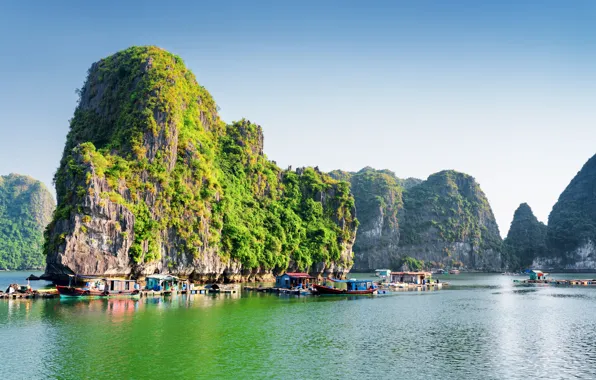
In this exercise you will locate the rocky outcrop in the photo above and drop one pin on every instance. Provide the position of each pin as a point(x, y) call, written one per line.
point(152, 181)
point(26, 208)
point(571, 234)
point(444, 221)
point(447, 221)
point(525, 240)
point(378, 195)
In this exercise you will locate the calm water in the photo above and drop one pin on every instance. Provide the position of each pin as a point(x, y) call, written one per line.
point(481, 328)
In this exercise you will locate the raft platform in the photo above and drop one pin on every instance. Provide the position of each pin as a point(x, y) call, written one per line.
point(32, 295)
point(580, 282)
point(294, 292)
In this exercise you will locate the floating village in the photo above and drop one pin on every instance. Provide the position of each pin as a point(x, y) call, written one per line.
point(290, 283)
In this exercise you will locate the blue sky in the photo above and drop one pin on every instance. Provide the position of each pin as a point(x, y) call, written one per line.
point(504, 91)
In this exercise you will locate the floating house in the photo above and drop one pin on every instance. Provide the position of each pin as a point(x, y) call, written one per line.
point(537, 275)
point(114, 285)
point(160, 282)
point(383, 273)
point(293, 280)
point(411, 277)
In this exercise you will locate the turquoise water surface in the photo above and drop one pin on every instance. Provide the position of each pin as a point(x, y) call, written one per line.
point(482, 327)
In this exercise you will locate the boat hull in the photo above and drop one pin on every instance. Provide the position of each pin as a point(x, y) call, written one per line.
point(326, 290)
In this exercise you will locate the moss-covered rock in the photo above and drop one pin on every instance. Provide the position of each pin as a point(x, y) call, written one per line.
point(525, 240)
point(447, 220)
point(571, 234)
point(26, 208)
point(152, 180)
point(378, 195)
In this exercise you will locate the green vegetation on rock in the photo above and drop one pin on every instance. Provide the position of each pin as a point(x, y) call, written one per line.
point(26, 207)
point(572, 221)
point(445, 221)
point(451, 207)
point(146, 144)
point(407, 263)
point(378, 195)
point(525, 240)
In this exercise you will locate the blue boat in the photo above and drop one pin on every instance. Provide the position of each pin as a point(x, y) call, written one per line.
point(353, 287)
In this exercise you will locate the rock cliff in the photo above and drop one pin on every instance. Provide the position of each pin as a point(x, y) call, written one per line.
point(525, 240)
point(447, 221)
point(152, 181)
point(444, 221)
point(378, 195)
point(571, 235)
point(26, 208)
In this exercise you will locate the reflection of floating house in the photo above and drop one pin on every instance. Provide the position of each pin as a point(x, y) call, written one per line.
point(410, 277)
point(160, 282)
point(292, 280)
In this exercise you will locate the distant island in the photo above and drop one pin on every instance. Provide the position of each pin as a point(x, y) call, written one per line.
point(26, 208)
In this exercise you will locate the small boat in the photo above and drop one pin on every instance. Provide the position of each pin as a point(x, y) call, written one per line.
point(353, 287)
point(99, 288)
point(454, 271)
point(71, 291)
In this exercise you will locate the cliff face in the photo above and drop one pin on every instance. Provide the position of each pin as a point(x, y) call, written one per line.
point(378, 195)
point(443, 221)
point(571, 235)
point(26, 208)
point(525, 240)
point(152, 181)
point(447, 220)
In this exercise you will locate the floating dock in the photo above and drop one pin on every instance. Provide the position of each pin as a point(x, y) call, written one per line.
point(579, 282)
point(261, 289)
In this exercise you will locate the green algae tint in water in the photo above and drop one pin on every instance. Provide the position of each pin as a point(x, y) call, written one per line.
point(482, 328)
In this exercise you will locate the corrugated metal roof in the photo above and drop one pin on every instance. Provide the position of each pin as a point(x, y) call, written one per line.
point(299, 275)
point(162, 277)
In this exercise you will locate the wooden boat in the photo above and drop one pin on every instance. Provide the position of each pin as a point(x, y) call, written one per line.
point(353, 287)
point(71, 291)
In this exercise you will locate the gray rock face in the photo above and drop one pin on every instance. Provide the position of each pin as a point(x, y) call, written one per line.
point(378, 196)
point(571, 231)
point(445, 221)
point(581, 259)
point(448, 221)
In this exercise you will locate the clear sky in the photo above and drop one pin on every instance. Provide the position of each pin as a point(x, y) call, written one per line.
point(504, 90)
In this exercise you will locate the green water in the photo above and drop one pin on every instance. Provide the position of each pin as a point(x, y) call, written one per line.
point(481, 328)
